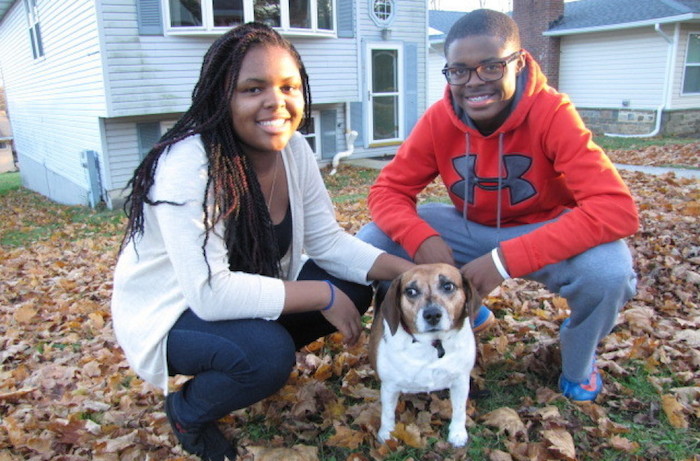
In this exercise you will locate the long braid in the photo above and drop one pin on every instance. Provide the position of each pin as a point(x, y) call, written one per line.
point(232, 185)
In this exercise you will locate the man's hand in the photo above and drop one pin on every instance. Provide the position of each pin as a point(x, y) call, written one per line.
point(434, 250)
point(483, 274)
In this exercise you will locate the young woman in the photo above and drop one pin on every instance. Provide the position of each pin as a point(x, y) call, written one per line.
point(232, 258)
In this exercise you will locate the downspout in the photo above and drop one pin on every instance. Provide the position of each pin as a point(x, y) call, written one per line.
point(662, 106)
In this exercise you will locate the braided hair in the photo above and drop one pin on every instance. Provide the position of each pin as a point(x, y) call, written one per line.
point(232, 185)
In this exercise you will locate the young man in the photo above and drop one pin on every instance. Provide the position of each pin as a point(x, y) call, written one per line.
point(532, 195)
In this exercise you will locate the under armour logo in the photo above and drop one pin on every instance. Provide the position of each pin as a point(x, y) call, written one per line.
point(515, 165)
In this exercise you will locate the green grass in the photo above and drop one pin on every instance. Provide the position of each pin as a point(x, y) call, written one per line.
point(613, 143)
point(9, 182)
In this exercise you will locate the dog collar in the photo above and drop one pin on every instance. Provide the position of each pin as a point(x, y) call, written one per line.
point(437, 344)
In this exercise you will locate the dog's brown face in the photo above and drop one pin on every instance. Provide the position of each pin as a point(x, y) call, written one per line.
point(429, 298)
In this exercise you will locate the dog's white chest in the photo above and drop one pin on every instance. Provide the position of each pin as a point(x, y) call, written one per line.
point(414, 366)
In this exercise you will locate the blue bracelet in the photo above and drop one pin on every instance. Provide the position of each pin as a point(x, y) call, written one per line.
point(330, 304)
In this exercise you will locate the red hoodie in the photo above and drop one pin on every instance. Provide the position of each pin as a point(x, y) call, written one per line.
point(546, 162)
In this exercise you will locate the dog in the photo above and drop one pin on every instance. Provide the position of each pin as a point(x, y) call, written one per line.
point(421, 341)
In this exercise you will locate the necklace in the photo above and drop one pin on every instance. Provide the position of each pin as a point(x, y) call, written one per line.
point(272, 187)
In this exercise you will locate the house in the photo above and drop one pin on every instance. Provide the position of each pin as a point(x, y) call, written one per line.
point(439, 24)
point(92, 84)
point(631, 67)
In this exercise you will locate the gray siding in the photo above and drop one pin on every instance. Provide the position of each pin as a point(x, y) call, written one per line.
point(601, 70)
point(55, 101)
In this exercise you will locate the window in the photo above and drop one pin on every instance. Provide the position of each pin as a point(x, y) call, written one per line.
point(382, 12)
point(312, 133)
point(691, 77)
point(307, 17)
point(34, 28)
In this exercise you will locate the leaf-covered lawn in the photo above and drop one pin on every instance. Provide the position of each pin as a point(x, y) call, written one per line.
point(66, 392)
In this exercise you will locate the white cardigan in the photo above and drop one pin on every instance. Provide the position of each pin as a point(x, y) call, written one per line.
point(164, 272)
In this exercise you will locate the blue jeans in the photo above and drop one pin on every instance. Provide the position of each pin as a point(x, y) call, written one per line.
point(595, 283)
point(235, 363)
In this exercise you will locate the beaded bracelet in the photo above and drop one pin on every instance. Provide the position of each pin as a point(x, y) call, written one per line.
point(330, 303)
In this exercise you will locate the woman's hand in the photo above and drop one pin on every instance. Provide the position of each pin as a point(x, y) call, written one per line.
point(344, 316)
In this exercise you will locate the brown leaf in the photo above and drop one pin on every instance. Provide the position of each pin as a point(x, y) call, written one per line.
point(346, 437)
point(674, 411)
point(408, 434)
point(296, 453)
point(506, 420)
point(623, 444)
point(560, 443)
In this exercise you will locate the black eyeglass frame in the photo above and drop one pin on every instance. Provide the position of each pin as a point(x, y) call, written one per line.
point(503, 63)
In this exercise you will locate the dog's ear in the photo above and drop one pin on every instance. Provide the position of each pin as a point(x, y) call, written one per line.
point(473, 301)
point(391, 306)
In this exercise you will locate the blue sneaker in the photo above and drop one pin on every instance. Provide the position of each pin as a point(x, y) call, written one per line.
point(484, 319)
point(586, 391)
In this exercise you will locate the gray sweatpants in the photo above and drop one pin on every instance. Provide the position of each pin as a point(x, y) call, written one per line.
point(595, 283)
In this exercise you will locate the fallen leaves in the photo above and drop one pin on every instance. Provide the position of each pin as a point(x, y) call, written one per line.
point(66, 391)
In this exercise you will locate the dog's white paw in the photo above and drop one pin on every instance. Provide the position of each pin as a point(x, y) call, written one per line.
point(458, 437)
point(384, 434)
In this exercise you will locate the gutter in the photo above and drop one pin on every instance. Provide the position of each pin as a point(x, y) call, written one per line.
point(629, 25)
point(662, 106)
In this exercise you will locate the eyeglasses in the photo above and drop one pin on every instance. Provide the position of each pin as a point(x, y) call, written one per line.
point(488, 72)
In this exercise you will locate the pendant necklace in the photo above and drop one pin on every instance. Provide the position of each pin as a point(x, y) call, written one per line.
point(272, 188)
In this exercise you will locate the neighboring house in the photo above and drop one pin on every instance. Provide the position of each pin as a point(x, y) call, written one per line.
point(439, 23)
point(92, 84)
point(6, 157)
point(629, 66)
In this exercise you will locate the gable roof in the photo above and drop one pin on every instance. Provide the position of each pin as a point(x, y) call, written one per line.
point(440, 22)
point(4, 7)
point(584, 16)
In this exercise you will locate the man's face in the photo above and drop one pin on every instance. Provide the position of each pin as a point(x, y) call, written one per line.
point(486, 103)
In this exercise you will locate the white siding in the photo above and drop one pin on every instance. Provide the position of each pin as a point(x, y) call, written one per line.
point(156, 74)
point(679, 100)
point(436, 81)
point(54, 101)
point(602, 70)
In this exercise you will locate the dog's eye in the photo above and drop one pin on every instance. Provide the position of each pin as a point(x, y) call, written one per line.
point(410, 292)
point(449, 287)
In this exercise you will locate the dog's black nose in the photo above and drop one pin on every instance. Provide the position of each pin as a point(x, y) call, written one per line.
point(432, 315)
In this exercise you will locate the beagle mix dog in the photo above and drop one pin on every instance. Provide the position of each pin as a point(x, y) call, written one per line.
point(421, 341)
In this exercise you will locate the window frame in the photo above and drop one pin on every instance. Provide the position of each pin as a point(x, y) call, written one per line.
point(687, 65)
point(33, 24)
point(378, 20)
point(399, 93)
point(316, 135)
point(208, 28)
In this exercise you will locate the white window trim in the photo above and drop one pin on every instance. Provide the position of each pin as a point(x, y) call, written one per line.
point(33, 24)
point(383, 22)
point(208, 28)
point(316, 116)
point(369, 127)
point(686, 65)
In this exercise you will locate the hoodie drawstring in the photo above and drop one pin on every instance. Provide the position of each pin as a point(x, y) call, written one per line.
point(465, 212)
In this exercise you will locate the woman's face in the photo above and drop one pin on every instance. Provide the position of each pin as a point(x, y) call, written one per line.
point(486, 103)
point(268, 102)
